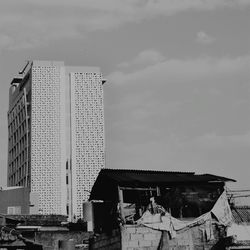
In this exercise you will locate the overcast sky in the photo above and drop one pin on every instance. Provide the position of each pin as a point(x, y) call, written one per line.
point(178, 91)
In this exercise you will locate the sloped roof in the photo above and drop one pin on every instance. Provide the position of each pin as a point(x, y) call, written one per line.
point(241, 214)
point(122, 176)
point(105, 186)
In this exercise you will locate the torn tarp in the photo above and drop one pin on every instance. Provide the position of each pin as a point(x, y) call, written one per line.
point(222, 211)
point(166, 222)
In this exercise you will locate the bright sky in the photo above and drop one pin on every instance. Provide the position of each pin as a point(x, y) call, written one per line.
point(178, 91)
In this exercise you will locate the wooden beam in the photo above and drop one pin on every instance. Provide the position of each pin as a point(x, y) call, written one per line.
point(138, 189)
point(120, 194)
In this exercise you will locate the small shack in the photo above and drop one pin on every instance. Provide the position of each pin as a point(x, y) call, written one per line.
point(183, 194)
point(125, 196)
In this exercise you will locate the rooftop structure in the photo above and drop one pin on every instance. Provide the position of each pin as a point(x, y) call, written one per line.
point(183, 194)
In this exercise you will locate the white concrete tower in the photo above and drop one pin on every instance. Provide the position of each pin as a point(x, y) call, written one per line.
point(48, 136)
point(87, 131)
point(56, 134)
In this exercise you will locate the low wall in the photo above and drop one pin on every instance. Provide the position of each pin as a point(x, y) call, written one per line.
point(192, 238)
point(106, 241)
point(135, 237)
point(139, 237)
point(50, 239)
point(127, 237)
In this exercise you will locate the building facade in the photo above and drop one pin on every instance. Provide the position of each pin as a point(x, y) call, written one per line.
point(56, 134)
point(14, 200)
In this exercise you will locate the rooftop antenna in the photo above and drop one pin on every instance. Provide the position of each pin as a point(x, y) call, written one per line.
point(22, 71)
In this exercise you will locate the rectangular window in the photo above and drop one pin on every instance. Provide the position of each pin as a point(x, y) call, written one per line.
point(14, 210)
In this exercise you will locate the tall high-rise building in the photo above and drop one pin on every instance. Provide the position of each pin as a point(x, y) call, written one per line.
point(56, 134)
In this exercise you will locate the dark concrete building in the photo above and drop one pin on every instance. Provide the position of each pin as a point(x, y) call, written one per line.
point(14, 200)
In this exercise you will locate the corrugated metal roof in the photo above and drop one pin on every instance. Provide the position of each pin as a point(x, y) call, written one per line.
point(152, 176)
point(105, 186)
point(120, 170)
point(241, 214)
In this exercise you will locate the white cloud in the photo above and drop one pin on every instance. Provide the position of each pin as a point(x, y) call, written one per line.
point(144, 58)
point(5, 41)
point(32, 23)
point(177, 70)
point(217, 142)
point(203, 38)
point(188, 97)
point(139, 8)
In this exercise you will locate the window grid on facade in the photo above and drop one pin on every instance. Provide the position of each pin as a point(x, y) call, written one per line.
point(56, 117)
point(46, 162)
point(89, 133)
